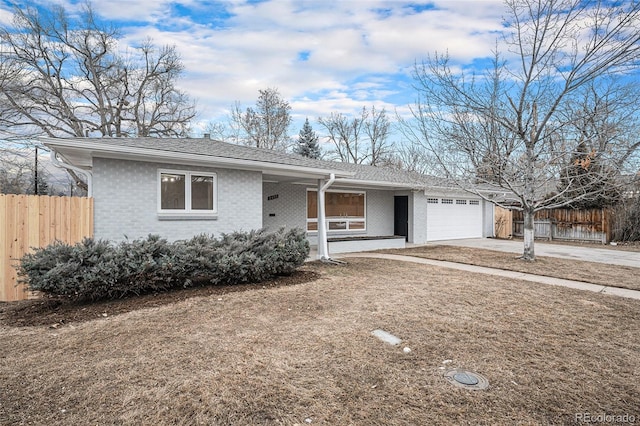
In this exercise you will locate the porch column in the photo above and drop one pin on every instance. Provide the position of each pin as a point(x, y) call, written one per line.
point(323, 245)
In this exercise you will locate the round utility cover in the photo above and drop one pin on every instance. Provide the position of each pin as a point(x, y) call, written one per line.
point(466, 379)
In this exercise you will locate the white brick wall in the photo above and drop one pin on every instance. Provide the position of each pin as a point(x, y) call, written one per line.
point(290, 209)
point(419, 212)
point(488, 219)
point(125, 202)
point(125, 197)
point(380, 213)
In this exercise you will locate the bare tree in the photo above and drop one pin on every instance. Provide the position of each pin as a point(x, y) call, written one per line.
point(514, 128)
point(409, 157)
point(604, 130)
point(22, 171)
point(61, 77)
point(361, 139)
point(157, 107)
point(264, 126)
point(216, 130)
point(377, 127)
point(345, 136)
point(15, 176)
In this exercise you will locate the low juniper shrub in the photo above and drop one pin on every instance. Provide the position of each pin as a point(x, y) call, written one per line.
point(97, 269)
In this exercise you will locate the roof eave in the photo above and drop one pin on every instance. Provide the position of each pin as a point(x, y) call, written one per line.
point(93, 149)
point(373, 183)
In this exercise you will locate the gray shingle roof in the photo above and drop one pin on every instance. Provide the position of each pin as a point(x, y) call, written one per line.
point(209, 147)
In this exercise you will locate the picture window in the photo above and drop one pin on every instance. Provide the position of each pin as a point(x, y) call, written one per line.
point(187, 193)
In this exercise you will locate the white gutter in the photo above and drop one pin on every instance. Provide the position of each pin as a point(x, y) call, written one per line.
point(323, 244)
point(87, 173)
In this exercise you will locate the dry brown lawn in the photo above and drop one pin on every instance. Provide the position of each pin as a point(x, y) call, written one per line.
point(590, 272)
point(619, 245)
point(304, 353)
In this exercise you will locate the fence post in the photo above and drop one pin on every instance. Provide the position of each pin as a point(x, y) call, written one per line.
point(605, 233)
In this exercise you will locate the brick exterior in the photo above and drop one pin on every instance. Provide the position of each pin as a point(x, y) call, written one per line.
point(488, 219)
point(125, 194)
point(417, 218)
point(289, 209)
point(288, 206)
point(125, 191)
point(125, 205)
point(380, 212)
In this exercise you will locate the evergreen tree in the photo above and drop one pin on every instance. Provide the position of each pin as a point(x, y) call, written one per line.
point(586, 183)
point(43, 185)
point(307, 142)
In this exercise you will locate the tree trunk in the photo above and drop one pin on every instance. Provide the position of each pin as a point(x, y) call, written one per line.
point(529, 253)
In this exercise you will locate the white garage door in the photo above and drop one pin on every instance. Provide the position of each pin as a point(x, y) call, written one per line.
point(453, 218)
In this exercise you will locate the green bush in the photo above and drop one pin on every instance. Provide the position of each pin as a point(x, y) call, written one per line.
point(94, 270)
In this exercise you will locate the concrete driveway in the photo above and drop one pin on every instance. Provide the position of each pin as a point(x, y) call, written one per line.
point(590, 254)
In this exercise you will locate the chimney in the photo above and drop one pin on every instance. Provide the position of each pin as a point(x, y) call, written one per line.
point(207, 136)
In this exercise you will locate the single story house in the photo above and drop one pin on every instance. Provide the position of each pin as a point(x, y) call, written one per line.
point(178, 188)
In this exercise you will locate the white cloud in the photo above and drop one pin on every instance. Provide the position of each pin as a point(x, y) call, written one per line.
point(6, 16)
point(323, 56)
point(150, 11)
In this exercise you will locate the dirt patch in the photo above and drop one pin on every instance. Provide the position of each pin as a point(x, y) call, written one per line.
point(304, 353)
point(56, 313)
point(577, 270)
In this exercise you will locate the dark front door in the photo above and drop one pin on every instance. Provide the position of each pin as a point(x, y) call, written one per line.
point(401, 216)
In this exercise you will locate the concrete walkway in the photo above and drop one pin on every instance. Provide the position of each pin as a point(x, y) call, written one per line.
point(589, 254)
point(614, 291)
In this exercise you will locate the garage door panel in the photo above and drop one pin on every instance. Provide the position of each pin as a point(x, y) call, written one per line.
point(454, 219)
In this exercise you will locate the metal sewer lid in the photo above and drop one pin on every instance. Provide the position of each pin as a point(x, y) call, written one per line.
point(466, 379)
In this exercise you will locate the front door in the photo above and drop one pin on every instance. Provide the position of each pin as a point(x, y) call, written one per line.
point(401, 216)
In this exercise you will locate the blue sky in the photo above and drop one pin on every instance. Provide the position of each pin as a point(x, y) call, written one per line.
point(323, 56)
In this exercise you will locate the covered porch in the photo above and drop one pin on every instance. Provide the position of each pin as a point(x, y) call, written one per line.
point(339, 213)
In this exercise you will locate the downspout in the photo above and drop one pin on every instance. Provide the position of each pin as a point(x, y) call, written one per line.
point(87, 173)
point(323, 244)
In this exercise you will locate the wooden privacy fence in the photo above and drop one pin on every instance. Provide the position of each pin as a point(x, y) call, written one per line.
point(28, 221)
point(593, 225)
point(503, 222)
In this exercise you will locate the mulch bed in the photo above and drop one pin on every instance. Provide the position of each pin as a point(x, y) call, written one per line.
point(56, 313)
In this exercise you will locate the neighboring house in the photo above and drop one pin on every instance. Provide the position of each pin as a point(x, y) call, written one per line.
point(179, 188)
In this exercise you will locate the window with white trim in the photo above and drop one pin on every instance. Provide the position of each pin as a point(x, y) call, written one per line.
point(474, 202)
point(432, 200)
point(187, 193)
point(344, 210)
point(461, 202)
point(447, 201)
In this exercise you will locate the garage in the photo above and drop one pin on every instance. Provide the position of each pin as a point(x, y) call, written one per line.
point(453, 218)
